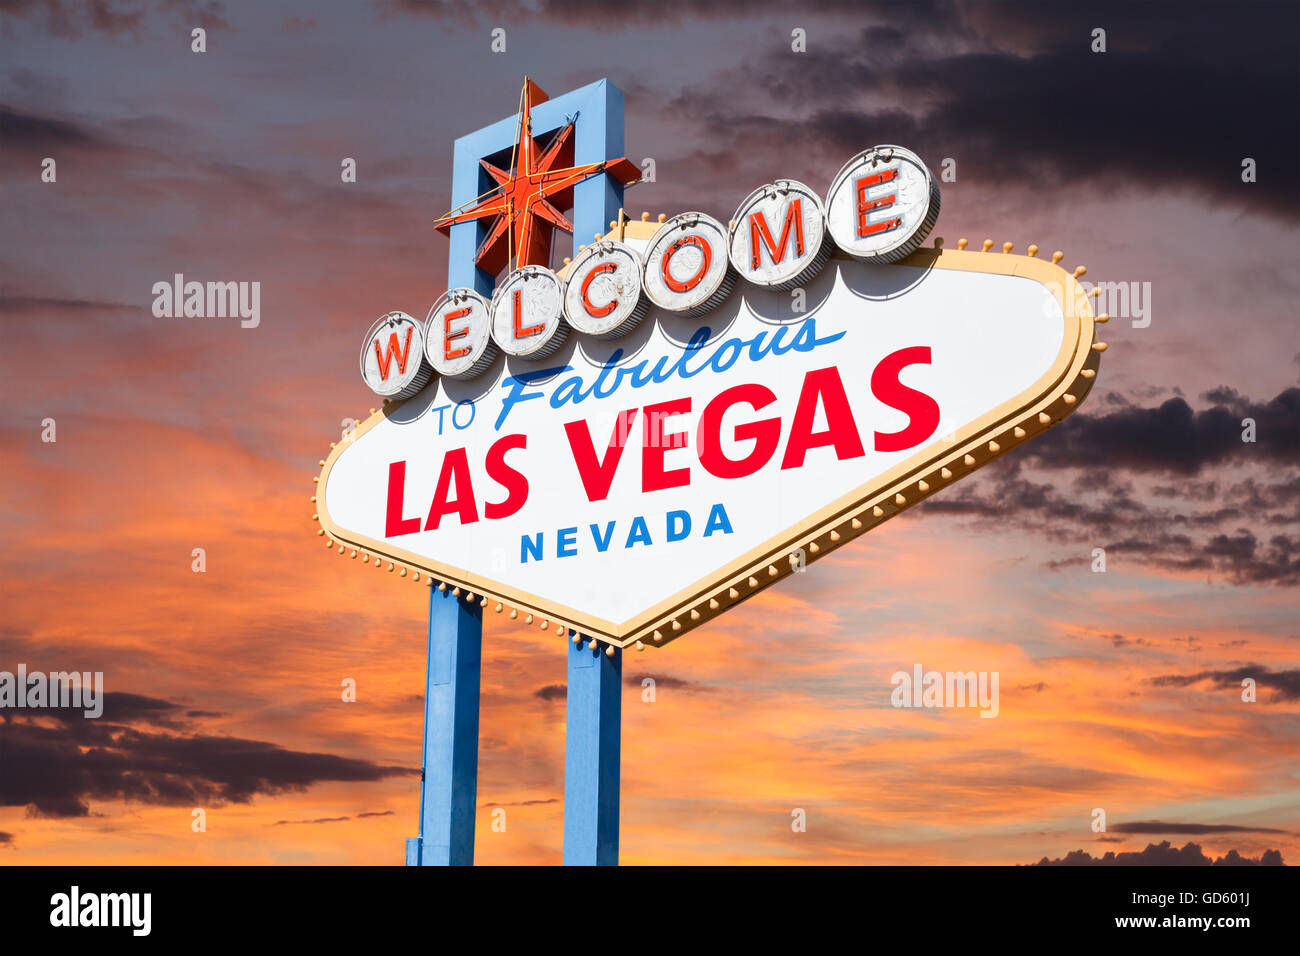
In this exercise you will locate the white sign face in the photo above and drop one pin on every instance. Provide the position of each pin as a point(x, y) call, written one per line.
point(778, 235)
point(882, 204)
point(457, 335)
point(686, 265)
point(603, 295)
point(633, 488)
point(392, 357)
point(527, 309)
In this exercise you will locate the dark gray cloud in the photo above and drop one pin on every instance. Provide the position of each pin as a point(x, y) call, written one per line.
point(281, 823)
point(72, 18)
point(6, 839)
point(931, 14)
point(675, 683)
point(1164, 854)
point(120, 707)
point(1013, 92)
point(35, 305)
point(359, 816)
point(1159, 826)
point(1173, 439)
point(551, 692)
point(1131, 530)
point(1285, 684)
point(138, 160)
point(145, 750)
point(1122, 640)
point(29, 132)
point(522, 803)
point(1079, 481)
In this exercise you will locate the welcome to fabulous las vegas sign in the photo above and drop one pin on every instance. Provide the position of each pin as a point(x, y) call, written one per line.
point(690, 410)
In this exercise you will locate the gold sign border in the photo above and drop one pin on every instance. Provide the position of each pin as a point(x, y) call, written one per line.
point(1054, 396)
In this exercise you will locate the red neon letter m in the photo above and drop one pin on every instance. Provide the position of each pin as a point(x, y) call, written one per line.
point(758, 229)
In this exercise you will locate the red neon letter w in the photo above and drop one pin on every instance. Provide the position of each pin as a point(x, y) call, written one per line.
point(402, 353)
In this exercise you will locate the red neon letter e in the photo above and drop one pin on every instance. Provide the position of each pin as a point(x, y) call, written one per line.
point(865, 205)
point(447, 351)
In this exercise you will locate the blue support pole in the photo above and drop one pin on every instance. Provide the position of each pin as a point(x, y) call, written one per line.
point(592, 748)
point(449, 780)
point(593, 719)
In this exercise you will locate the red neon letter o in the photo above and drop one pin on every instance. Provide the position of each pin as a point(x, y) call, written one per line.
point(692, 282)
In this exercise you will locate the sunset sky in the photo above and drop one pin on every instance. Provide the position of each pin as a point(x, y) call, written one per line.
point(1119, 691)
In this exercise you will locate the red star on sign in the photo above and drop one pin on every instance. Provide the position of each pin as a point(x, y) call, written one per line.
point(537, 188)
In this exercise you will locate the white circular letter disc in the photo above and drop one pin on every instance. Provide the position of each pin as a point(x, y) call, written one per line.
point(458, 334)
point(603, 296)
point(778, 235)
point(392, 357)
point(527, 313)
point(882, 204)
point(686, 265)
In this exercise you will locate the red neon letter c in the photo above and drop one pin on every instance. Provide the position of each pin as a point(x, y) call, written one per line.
point(594, 311)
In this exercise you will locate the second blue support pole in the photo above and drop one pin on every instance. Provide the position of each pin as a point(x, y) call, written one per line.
point(592, 749)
